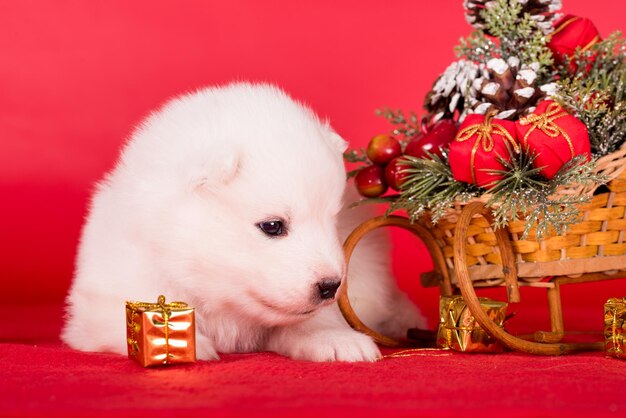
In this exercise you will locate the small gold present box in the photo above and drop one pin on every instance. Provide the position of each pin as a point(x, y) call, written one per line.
point(615, 327)
point(458, 329)
point(160, 333)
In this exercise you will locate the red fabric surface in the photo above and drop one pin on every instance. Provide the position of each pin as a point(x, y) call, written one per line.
point(76, 76)
point(63, 383)
point(51, 380)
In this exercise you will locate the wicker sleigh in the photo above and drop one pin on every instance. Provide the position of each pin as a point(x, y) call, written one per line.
point(468, 253)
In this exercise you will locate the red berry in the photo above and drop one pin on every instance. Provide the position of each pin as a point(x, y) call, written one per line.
point(370, 181)
point(438, 137)
point(393, 173)
point(382, 149)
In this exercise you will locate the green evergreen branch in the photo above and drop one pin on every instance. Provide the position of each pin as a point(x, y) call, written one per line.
point(477, 48)
point(406, 127)
point(600, 59)
point(593, 88)
point(501, 19)
point(355, 156)
point(523, 194)
point(519, 36)
point(429, 186)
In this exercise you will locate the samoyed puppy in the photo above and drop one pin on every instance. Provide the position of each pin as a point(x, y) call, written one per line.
point(230, 199)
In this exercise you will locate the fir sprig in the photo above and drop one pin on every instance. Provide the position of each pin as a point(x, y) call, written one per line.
point(502, 20)
point(601, 59)
point(606, 125)
point(477, 48)
point(523, 194)
point(507, 192)
point(355, 156)
point(430, 186)
point(519, 36)
point(593, 88)
point(405, 127)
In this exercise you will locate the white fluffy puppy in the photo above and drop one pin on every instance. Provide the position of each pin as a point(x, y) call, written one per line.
point(228, 198)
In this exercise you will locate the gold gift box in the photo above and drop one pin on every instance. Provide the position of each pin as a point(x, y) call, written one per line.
point(160, 333)
point(458, 329)
point(615, 327)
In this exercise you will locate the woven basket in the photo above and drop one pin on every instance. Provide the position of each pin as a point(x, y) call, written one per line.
point(597, 243)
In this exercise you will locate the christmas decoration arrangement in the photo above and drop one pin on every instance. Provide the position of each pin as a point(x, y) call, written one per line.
point(520, 121)
point(160, 333)
point(515, 173)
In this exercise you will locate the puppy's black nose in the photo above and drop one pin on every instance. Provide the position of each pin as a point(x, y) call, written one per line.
point(328, 288)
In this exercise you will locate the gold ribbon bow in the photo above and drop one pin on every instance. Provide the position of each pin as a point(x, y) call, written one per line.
point(166, 307)
point(545, 123)
point(484, 132)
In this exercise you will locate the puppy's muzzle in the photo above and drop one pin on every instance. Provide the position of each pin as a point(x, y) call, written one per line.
point(328, 288)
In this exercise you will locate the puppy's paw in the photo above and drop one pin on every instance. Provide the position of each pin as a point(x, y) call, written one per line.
point(326, 345)
point(205, 349)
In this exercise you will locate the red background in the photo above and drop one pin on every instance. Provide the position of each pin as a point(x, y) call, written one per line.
point(76, 77)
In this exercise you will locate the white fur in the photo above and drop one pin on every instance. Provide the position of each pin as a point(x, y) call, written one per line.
point(178, 216)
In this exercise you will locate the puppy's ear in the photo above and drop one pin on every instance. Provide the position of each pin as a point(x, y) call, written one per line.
point(337, 141)
point(211, 175)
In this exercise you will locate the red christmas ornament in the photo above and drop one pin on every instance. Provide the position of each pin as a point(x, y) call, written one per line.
point(370, 181)
point(554, 136)
point(383, 148)
point(438, 137)
point(393, 173)
point(476, 150)
point(572, 32)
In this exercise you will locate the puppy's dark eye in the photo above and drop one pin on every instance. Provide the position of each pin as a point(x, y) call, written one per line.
point(272, 228)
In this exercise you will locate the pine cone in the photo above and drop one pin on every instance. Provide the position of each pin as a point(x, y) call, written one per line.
point(453, 90)
point(509, 91)
point(543, 12)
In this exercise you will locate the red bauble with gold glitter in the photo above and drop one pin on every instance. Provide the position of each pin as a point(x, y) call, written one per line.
point(554, 136)
point(478, 147)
